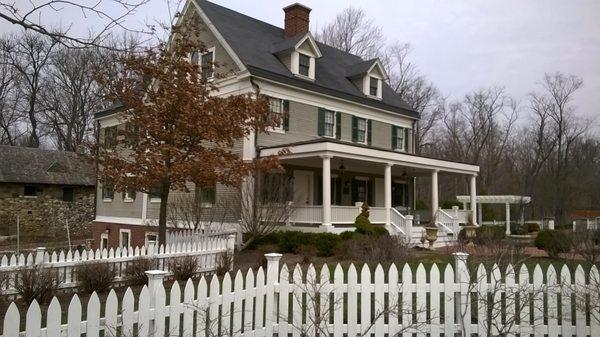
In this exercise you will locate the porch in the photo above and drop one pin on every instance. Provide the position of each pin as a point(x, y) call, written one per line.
point(331, 181)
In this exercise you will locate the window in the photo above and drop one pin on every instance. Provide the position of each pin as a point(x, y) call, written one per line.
point(151, 239)
point(110, 137)
point(131, 135)
point(361, 130)
point(304, 65)
point(195, 57)
point(30, 191)
point(373, 86)
point(155, 193)
point(275, 188)
point(103, 241)
point(129, 196)
point(399, 194)
point(398, 138)
point(329, 123)
point(276, 108)
point(125, 238)
point(207, 64)
point(68, 194)
point(362, 190)
point(205, 196)
point(108, 192)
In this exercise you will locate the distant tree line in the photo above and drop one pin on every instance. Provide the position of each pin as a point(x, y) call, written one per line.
point(540, 146)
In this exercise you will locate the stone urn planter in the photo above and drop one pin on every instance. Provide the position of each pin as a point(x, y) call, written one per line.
point(431, 235)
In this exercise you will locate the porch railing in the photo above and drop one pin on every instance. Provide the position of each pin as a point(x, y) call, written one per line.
point(307, 214)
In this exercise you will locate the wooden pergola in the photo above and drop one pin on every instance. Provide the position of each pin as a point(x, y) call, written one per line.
point(507, 200)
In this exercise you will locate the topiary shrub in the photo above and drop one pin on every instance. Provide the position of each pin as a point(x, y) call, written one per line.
point(36, 283)
point(532, 227)
point(95, 276)
point(552, 242)
point(380, 230)
point(362, 223)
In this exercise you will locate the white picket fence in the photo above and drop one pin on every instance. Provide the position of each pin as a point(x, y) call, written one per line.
point(351, 303)
point(207, 248)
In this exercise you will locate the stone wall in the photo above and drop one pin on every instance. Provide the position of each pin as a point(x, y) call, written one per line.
point(46, 215)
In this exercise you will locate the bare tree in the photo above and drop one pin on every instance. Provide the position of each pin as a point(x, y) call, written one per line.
point(352, 31)
point(111, 15)
point(10, 116)
point(29, 56)
point(266, 204)
point(70, 97)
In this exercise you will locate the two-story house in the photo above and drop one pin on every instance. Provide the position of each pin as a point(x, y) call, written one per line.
point(350, 137)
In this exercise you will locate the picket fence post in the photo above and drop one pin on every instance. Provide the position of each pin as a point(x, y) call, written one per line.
point(408, 226)
point(272, 280)
point(39, 255)
point(462, 279)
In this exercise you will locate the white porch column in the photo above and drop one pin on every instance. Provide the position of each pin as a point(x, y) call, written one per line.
point(326, 190)
point(387, 183)
point(434, 195)
point(473, 191)
point(507, 218)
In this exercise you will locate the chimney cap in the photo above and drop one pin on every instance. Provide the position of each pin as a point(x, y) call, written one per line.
point(296, 4)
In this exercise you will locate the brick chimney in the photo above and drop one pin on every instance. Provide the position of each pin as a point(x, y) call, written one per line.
point(297, 18)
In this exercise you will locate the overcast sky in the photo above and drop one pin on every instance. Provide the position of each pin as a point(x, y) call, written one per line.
point(464, 45)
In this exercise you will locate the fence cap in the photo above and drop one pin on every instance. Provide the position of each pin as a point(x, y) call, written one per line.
point(273, 256)
point(460, 255)
point(155, 273)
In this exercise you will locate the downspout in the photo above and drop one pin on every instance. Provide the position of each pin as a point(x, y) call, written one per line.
point(414, 147)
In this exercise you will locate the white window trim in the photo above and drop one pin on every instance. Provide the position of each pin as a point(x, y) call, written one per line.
point(154, 200)
point(280, 128)
point(366, 141)
point(127, 198)
point(401, 148)
point(121, 231)
point(106, 199)
point(333, 133)
point(367, 86)
point(212, 49)
point(295, 65)
point(102, 237)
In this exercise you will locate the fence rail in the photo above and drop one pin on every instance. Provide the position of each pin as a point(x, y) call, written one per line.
point(207, 248)
point(283, 302)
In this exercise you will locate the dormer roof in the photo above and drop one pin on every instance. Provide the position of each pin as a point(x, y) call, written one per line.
point(366, 67)
point(294, 43)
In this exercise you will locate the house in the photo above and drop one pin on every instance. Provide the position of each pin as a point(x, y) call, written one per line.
point(46, 190)
point(350, 137)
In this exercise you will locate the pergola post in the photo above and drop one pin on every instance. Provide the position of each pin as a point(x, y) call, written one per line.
point(480, 213)
point(507, 218)
point(326, 190)
point(473, 197)
point(434, 196)
point(387, 177)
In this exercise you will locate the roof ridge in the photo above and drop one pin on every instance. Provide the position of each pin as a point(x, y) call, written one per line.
point(240, 13)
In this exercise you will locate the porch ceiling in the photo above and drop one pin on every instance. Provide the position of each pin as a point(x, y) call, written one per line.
point(364, 159)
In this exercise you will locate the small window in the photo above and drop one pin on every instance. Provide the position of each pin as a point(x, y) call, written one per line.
point(207, 64)
point(276, 108)
point(155, 193)
point(304, 66)
point(373, 86)
point(399, 138)
point(361, 130)
point(68, 194)
point(205, 196)
point(125, 238)
point(329, 124)
point(103, 241)
point(129, 196)
point(110, 137)
point(30, 191)
point(108, 192)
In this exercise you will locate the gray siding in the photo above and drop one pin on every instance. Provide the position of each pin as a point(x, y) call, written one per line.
point(381, 135)
point(117, 207)
point(226, 65)
point(303, 126)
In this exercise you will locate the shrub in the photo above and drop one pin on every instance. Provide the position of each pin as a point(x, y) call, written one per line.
point(375, 249)
point(325, 243)
point(489, 234)
point(224, 263)
point(184, 268)
point(552, 242)
point(379, 230)
point(532, 227)
point(518, 229)
point(290, 241)
point(135, 273)
point(362, 223)
point(95, 276)
point(36, 283)
point(347, 235)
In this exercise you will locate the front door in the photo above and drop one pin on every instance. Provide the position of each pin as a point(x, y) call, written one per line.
point(303, 187)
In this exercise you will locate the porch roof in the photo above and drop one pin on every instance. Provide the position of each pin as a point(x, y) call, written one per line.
point(339, 149)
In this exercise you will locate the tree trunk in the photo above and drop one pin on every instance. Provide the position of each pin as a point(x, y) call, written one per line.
point(165, 188)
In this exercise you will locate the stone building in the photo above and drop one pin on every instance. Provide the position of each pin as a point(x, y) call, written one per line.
point(46, 190)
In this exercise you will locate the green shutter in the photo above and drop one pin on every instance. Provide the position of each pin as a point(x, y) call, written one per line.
point(338, 125)
point(369, 131)
point(354, 129)
point(286, 115)
point(394, 137)
point(406, 133)
point(321, 121)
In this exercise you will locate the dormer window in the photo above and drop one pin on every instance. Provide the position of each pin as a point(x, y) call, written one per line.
point(304, 65)
point(207, 63)
point(373, 86)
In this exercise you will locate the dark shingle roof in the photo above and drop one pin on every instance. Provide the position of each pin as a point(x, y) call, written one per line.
point(254, 41)
point(37, 166)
